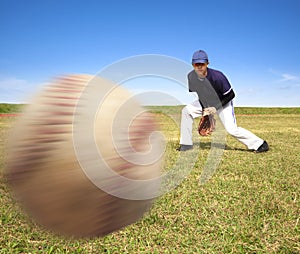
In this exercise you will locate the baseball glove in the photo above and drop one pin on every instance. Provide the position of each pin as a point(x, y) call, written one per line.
point(206, 125)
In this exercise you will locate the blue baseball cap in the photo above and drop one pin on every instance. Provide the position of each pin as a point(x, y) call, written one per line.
point(200, 56)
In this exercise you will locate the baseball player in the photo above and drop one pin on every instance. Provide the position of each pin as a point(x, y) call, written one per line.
point(215, 96)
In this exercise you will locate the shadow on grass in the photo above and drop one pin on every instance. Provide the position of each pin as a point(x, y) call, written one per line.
point(209, 145)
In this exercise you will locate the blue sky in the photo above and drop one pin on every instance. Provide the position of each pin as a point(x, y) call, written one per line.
point(255, 43)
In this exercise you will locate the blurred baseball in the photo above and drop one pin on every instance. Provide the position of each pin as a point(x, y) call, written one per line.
point(48, 179)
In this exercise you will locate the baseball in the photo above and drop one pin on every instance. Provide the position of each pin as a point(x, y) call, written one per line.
point(59, 180)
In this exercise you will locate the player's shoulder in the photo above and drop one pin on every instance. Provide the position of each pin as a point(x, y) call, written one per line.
point(215, 74)
point(192, 74)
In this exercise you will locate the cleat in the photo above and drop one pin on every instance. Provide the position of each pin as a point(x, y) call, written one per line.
point(263, 148)
point(184, 148)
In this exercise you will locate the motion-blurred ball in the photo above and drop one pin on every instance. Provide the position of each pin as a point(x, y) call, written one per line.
point(49, 180)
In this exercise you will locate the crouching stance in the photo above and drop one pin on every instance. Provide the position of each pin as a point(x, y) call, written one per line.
point(215, 96)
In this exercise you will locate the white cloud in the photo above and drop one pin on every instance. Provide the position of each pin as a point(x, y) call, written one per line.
point(286, 80)
point(288, 77)
point(284, 77)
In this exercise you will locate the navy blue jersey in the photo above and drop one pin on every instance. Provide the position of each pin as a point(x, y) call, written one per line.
point(213, 91)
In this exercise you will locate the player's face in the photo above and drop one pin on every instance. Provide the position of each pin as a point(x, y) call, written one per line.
point(201, 69)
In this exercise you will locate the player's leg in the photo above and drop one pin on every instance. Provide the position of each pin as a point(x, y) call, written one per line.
point(246, 137)
point(188, 113)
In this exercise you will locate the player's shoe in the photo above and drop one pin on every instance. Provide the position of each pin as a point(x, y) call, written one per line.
point(184, 148)
point(263, 148)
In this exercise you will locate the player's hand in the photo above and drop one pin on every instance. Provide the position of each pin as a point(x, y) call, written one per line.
point(210, 111)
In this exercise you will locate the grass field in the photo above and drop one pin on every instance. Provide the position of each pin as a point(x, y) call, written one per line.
point(250, 205)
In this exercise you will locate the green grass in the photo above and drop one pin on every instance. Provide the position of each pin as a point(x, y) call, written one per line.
point(250, 205)
point(10, 108)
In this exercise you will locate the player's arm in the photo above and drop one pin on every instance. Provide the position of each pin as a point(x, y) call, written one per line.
point(226, 91)
point(227, 97)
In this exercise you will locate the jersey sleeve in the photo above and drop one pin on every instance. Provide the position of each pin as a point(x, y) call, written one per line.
point(226, 91)
point(224, 84)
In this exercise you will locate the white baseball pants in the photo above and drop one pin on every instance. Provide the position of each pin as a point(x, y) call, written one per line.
point(227, 117)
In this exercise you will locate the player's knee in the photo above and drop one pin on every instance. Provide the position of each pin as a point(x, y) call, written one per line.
point(190, 112)
point(232, 132)
point(185, 111)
